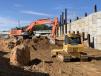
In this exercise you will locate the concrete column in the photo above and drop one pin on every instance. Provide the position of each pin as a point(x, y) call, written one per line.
point(62, 23)
point(70, 25)
point(98, 35)
point(91, 39)
point(83, 36)
point(85, 14)
point(65, 21)
point(92, 42)
point(60, 30)
point(95, 8)
point(98, 42)
point(59, 34)
point(60, 27)
point(67, 28)
point(86, 35)
point(64, 29)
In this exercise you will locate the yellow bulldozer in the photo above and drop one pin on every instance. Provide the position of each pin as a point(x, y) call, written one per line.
point(72, 48)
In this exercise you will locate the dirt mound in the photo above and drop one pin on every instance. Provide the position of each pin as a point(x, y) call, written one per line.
point(3, 45)
point(41, 43)
point(40, 48)
point(20, 55)
point(41, 62)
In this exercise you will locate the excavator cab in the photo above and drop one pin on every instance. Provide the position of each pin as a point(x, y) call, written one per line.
point(73, 40)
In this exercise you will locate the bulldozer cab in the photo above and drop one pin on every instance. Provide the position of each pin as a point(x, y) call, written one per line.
point(73, 39)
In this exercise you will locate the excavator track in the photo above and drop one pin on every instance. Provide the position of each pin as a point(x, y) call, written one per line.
point(85, 58)
point(63, 58)
point(69, 58)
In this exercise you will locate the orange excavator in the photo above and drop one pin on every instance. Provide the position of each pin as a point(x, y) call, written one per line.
point(29, 29)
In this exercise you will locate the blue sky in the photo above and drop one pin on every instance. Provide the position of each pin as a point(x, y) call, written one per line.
point(11, 11)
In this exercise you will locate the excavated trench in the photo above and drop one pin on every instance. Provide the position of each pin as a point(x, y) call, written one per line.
point(41, 63)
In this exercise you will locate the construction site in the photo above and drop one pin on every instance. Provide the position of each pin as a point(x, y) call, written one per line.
point(67, 48)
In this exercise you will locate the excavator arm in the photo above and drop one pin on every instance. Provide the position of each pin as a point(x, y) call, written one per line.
point(54, 24)
point(38, 22)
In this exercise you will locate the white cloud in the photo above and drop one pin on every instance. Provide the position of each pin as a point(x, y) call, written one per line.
point(8, 23)
point(35, 13)
point(58, 8)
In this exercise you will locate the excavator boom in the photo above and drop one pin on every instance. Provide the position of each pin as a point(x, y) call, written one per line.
point(38, 22)
point(54, 24)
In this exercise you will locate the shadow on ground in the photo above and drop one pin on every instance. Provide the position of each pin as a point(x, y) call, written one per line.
point(8, 70)
point(96, 58)
point(35, 61)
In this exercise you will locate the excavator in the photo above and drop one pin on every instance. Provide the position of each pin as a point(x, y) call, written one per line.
point(28, 31)
point(73, 48)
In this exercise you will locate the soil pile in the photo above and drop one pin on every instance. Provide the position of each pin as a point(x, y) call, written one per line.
point(42, 64)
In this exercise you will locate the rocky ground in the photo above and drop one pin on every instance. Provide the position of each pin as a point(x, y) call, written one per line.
point(41, 63)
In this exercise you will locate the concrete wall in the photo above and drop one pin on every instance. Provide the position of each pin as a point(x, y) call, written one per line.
point(90, 25)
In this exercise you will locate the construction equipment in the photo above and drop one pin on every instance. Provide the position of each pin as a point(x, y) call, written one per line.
point(42, 33)
point(28, 31)
point(72, 48)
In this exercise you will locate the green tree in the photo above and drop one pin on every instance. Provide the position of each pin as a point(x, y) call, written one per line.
point(41, 27)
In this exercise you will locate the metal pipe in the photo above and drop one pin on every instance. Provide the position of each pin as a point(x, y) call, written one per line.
point(95, 8)
point(85, 14)
point(70, 25)
point(65, 20)
point(62, 23)
point(65, 17)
